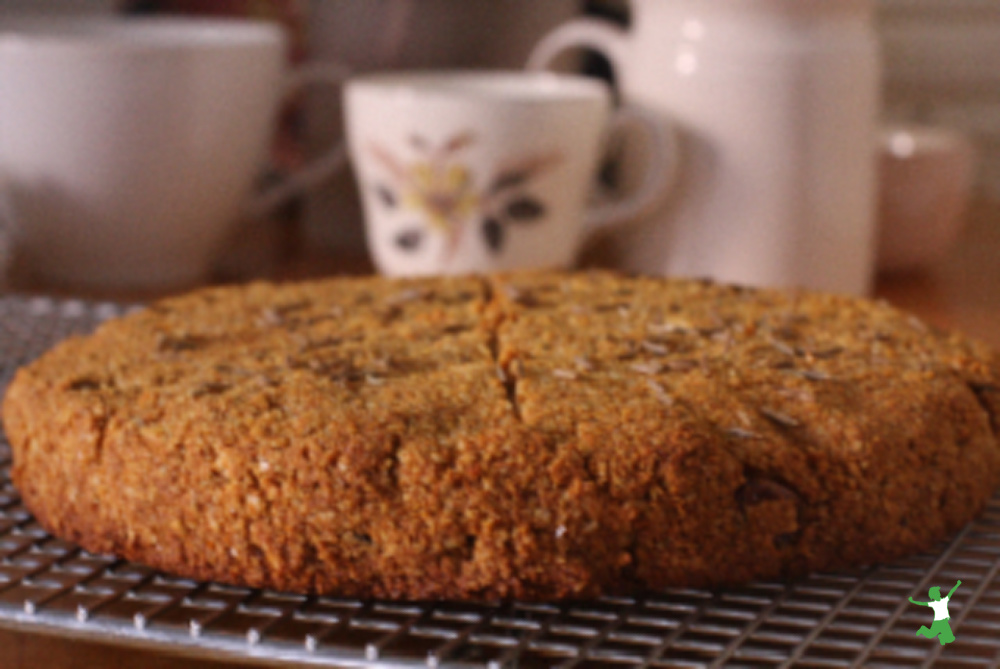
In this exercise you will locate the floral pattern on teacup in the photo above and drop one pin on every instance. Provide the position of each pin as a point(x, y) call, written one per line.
point(442, 190)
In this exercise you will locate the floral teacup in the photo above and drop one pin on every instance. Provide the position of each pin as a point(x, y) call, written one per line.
point(473, 172)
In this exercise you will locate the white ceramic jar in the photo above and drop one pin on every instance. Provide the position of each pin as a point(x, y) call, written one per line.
point(777, 101)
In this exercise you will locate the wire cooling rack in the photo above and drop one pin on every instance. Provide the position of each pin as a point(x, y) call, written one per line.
point(854, 619)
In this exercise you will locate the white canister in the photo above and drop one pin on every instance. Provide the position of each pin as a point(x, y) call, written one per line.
point(778, 103)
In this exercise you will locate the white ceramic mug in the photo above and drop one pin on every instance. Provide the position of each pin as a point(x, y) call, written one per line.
point(475, 172)
point(925, 184)
point(777, 104)
point(130, 146)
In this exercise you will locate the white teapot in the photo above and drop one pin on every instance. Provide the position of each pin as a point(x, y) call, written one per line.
point(777, 103)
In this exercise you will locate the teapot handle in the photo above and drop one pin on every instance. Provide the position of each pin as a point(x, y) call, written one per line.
point(595, 34)
point(660, 135)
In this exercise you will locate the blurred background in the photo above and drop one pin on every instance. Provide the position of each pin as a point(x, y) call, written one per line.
point(941, 66)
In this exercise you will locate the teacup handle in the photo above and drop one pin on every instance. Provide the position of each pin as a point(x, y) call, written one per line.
point(661, 170)
point(317, 171)
point(659, 175)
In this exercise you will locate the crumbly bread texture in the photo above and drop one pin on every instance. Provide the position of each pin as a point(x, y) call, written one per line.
point(537, 435)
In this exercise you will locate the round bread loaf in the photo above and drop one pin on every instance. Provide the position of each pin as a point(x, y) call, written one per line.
point(537, 435)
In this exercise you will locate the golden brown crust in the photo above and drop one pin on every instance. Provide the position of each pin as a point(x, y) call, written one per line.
point(532, 435)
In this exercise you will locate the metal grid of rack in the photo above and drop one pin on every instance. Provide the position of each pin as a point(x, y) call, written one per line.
point(854, 619)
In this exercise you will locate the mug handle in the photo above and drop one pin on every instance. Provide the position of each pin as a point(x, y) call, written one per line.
point(317, 171)
point(661, 170)
point(6, 234)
